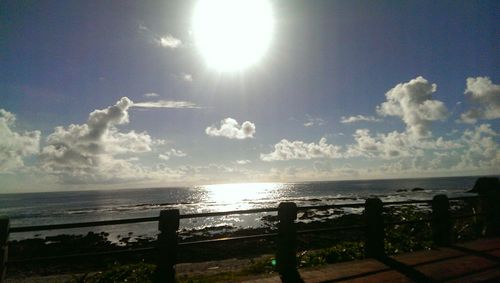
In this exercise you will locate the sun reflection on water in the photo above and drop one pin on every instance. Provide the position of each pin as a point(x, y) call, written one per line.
point(242, 195)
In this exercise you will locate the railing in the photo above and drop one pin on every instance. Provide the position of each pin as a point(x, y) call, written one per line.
point(168, 246)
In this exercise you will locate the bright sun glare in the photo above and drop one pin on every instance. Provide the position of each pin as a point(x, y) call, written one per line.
point(232, 34)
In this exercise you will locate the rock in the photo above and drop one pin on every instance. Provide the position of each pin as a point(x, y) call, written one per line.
point(485, 185)
point(401, 190)
point(417, 189)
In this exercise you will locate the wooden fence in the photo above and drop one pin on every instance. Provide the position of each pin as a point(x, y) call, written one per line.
point(168, 246)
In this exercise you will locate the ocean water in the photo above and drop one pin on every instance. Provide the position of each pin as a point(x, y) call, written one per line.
point(67, 207)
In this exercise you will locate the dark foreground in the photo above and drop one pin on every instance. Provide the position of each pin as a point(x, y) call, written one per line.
point(477, 261)
point(314, 249)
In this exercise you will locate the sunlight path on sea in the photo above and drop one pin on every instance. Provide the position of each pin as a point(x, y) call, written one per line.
point(240, 196)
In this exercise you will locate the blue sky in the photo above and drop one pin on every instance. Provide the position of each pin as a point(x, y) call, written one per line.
point(423, 75)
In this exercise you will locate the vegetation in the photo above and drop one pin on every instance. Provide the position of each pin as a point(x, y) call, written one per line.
point(132, 273)
point(315, 249)
point(144, 272)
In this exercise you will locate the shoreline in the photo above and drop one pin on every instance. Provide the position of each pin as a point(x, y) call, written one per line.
point(234, 222)
point(71, 244)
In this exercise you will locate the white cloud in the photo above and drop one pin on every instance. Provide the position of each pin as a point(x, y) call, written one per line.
point(187, 77)
point(151, 94)
point(243, 162)
point(482, 151)
point(395, 145)
point(412, 101)
point(287, 150)
point(165, 104)
point(88, 153)
point(230, 128)
point(313, 121)
point(479, 152)
point(386, 146)
point(172, 152)
point(166, 41)
point(14, 147)
point(169, 41)
point(358, 118)
point(486, 94)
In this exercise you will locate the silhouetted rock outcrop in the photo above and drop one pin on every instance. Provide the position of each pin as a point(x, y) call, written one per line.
point(485, 185)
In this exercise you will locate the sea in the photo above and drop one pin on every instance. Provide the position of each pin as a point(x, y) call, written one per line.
point(28, 209)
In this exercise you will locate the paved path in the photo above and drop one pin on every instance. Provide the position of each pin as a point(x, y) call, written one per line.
point(477, 261)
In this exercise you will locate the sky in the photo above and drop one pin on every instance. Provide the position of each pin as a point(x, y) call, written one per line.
point(118, 94)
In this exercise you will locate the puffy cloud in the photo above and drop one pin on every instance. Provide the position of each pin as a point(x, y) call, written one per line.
point(172, 152)
point(386, 146)
point(230, 128)
point(151, 94)
point(482, 150)
point(86, 153)
point(15, 146)
point(487, 95)
point(243, 162)
point(412, 101)
point(395, 145)
point(165, 104)
point(287, 150)
point(358, 118)
point(169, 41)
point(479, 152)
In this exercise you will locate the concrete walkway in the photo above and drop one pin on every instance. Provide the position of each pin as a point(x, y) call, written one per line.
point(477, 261)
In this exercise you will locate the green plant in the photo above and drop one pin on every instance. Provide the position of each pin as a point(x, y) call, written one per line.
point(343, 251)
point(134, 273)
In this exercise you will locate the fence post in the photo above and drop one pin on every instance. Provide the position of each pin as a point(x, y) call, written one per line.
point(4, 237)
point(374, 237)
point(167, 246)
point(488, 190)
point(492, 213)
point(442, 226)
point(286, 259)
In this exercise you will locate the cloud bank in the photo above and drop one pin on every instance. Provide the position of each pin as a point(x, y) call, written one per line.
point(287, 150)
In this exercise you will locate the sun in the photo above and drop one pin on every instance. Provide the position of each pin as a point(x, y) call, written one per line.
point(232, 35)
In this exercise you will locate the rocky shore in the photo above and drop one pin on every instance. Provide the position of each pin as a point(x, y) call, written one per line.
point(400, 238)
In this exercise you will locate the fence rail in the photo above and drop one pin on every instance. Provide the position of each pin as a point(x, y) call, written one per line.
point(35, 228)
point(168, 222)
